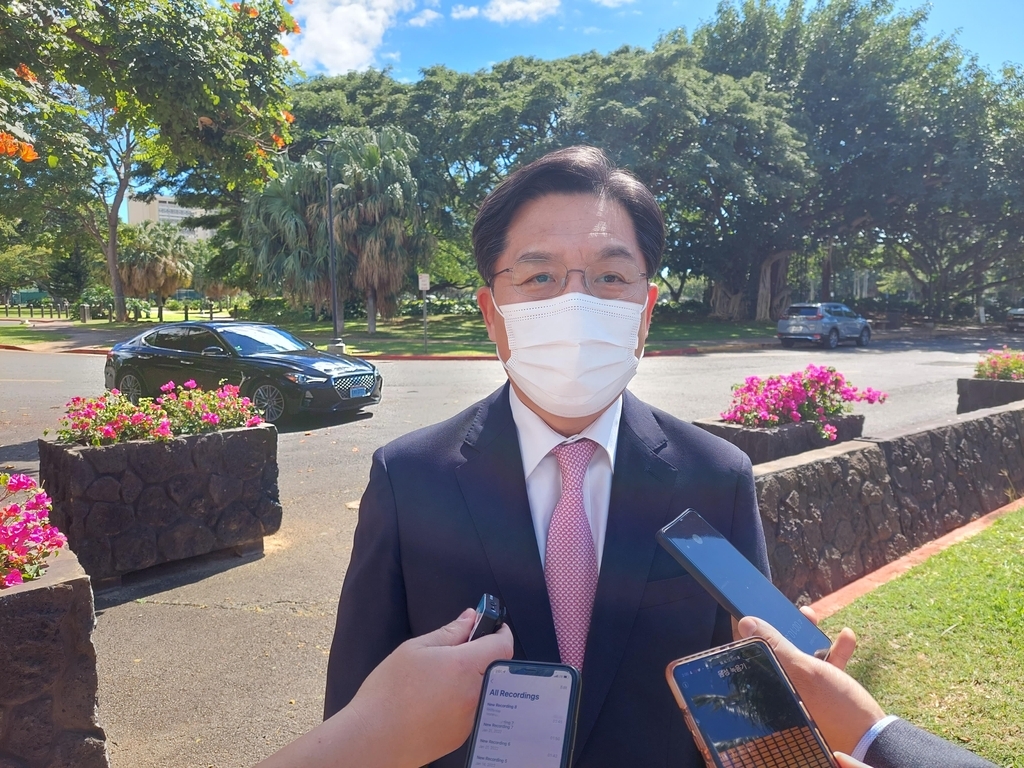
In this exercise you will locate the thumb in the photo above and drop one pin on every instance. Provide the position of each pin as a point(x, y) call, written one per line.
point(453, 633)
point(750, 626)
point(486, 649)
point(845, 761)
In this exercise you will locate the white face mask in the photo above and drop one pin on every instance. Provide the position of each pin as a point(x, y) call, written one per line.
point(574, 354)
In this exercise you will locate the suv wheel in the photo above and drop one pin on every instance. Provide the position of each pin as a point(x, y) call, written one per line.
point(864, 338)
point(832, 340)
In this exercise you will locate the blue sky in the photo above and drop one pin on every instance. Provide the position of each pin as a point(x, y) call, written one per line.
point(408, 35)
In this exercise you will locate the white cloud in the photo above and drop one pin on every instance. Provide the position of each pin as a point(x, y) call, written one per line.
point(520, 10)
point(465, 12)
point(392, 55)
point(591, 30)
point(432, 3)
point(613, 3)
point(424, 17)
point(341, 35)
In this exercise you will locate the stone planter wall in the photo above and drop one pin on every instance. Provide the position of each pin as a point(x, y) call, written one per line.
point(763, 445)
point(126, 507)
point(975, 394)
point(48, 672)
point(835, 514)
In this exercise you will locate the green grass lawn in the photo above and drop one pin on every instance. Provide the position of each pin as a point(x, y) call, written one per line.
point(943, 646)
point(19, 334)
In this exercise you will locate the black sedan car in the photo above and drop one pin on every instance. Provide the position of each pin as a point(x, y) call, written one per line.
point(280, 373)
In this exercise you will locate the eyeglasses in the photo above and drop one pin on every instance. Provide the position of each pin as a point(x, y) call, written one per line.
point(546, 278)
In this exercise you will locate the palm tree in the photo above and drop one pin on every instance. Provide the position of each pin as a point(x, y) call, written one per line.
point(377, 222)
point(154, 260)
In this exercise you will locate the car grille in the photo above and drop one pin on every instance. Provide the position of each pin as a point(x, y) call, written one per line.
point(343, 384)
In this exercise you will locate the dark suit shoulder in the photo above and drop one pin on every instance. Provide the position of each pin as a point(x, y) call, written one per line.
point(439, 444)
point(699, 446)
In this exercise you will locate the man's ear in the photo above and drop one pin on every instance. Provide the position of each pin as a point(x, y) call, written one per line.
point(485, 300)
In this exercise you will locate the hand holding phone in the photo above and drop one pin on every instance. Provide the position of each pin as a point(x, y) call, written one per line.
point(743, 711)
point(735, 583)
point(526, 717)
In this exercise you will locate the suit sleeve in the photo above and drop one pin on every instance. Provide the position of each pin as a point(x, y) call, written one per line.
point(747, 535)
point(901, 745)
point(372, 616)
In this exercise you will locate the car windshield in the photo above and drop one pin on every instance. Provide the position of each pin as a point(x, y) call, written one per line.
point(250, 340)
point(802, 311)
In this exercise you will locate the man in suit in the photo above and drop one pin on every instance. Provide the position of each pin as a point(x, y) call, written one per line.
point(549, 492)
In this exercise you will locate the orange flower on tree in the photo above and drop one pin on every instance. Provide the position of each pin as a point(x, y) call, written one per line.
point(253, 13)
point(278, 141)
point(296, 28)
point(25, 73)
point(288, 116)
point(236, 7)
point(28, 153)
point(284, 51)
point(8, 144)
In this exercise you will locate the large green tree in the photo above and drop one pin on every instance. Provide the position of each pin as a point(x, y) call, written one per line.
point(125, 89)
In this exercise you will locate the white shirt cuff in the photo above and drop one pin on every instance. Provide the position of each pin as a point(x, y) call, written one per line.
point(869, 738)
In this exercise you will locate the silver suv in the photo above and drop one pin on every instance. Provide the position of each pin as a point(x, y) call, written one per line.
point(826, 324)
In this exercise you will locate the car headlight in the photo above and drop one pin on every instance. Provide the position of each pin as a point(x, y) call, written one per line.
point(303, 379)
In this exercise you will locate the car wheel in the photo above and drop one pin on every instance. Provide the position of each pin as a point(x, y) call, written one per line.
point(269, 401)
point(832, 340)
point(788, 343)
point(130, 385)
point(864, 338)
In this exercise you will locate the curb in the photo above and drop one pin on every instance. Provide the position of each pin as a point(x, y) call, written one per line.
point(843, 596)
point(13, 348)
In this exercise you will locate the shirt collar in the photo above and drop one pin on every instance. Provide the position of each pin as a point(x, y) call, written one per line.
point(536, 438)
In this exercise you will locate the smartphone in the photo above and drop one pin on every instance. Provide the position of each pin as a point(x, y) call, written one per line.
point(526, 717)
point(743, 711)
point(490, 615)
point(735, 583)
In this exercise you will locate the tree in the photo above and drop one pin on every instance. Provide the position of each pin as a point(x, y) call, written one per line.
point(377, 221)
point(154, 260)
point(142, 90)
point(69, 275)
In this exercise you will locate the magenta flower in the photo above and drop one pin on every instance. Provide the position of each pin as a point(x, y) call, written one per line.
point(12, 578)
point(168, 387)
point(190, 384)
point(20, 483)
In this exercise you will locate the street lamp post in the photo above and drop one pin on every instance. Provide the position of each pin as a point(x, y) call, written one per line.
point(337, 343)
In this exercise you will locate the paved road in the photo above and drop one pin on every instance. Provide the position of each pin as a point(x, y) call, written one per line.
point(219, 661)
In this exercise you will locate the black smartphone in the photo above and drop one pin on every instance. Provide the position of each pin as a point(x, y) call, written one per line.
point(743, 711)
point(490, 615)
point(735, 583)
point(526, 717)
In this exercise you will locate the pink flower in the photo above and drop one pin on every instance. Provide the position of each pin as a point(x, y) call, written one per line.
point(20, 483)
point(211, 418)
point(12, 578)
point(163, 429)
point(190, 384)
point(254, 421)
point(168, 387)
point(108, 432)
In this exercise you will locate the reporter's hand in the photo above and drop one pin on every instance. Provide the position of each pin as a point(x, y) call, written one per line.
point(842, 649)
point(845, 761)
point(419, 703)
point(843, 710)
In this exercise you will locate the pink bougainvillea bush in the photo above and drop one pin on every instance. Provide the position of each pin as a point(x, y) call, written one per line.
point(181, 410)
point(26, 536)
point(1006, 364)
point(814, 394)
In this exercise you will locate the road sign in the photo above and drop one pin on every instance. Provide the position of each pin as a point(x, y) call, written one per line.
point(424, 281)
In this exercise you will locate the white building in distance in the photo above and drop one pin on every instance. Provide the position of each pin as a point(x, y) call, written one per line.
point(162, 208)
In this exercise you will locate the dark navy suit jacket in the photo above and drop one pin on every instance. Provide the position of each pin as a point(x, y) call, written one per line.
point(445, 518)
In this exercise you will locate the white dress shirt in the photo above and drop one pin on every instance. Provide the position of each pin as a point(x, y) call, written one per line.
point(544, 481)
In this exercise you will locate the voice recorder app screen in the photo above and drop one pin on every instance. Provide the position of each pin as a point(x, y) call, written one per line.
point(522, 720)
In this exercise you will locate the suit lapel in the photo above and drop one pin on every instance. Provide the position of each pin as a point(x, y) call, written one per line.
point(494, 487)
point(642, 488)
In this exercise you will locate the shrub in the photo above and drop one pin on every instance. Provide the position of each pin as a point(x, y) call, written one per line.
point(172, 305)
point(26, 536)
point(815, 394)
point(1006, 364)
point(438, 306)
point(181, 410)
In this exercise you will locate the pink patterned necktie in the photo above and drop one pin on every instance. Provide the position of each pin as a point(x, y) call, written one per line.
point(570, 558)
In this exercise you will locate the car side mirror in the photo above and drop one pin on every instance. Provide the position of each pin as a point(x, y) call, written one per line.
point(311, 344)
point(213, 352)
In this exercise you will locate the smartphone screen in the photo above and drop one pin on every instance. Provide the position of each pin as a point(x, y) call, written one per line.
point(745, 711)
point(526, 717)
point(735, 583)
